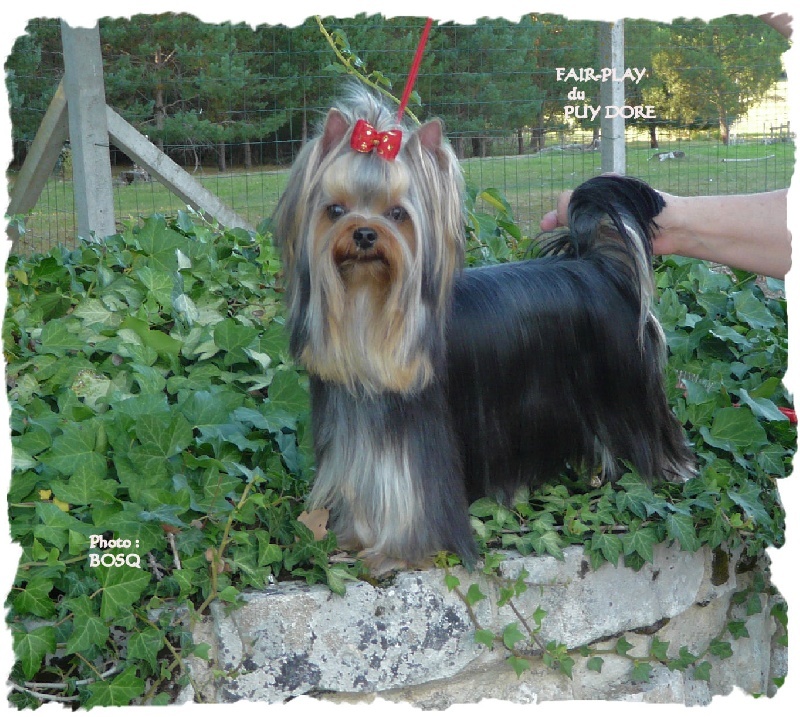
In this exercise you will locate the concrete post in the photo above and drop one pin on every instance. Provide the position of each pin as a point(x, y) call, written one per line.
point(612, 94)
point(88, 131)
point(175, 178)
point(38, 166)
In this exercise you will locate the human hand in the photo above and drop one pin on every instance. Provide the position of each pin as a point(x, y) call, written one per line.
point(556, 217)
point(663, 241)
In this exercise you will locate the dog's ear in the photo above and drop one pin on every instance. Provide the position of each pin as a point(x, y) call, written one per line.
point(336, 126)
point(431, 138)
point(430, 135)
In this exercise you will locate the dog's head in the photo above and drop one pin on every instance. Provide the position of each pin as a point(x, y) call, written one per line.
point(372, 232)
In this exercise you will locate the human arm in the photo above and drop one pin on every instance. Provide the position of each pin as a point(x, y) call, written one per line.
point(745, 231)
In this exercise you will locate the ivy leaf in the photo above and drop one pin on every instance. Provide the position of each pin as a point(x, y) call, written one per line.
point(595, 664)
point(160, 243)
point(642, 671)
point(35, 598)
point(121, 587)
point(131, 524)
point(538, 615)
point(720, 648)
point(93, 311)
point(771, 459)
point(145, 645)
point(702, 671)
point(85, 487)
point(495, 199)
point(33, 441)
point(286, 394)
point(752, 311)
point(53, 525)
point(485, 637)
point(474, 594)
point(336, 576)
point(623, 646)
point(164, 345)
point(88, 631)
point(609, 545)
point(59, 336)
point(682, 528)
point(451, 581)
point(512, 635)
point(158, 283)
point(117, 692)
point(640, 541)
point(161, 437)
point(233, 338)
point(74, 448)
point(548, 543)
point(658, 649)
point(483, 508)
point(684, 659)
point(762, 407)
point(268, 552)
point(736, 428)
point(729, 333)
point(518, 664)
point(31, 647)
point(754, 605)
point(210, 408)
point(748, 498)
point(738, 629)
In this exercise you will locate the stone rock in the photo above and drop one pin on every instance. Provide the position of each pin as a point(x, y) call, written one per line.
point(413, 640)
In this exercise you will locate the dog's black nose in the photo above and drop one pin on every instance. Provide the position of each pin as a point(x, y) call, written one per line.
point(365, 237)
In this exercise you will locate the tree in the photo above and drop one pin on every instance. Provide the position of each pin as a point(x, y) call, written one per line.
point(33, 70)
point(218, 91)
point(714, 72)
point(175, 78)
point(382, 50)
point(559, 43)
point(642, 39)
point(485, 80)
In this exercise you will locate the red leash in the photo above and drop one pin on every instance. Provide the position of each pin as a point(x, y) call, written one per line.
point(412, 75)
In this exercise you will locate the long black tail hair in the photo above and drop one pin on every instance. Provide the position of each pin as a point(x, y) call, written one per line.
point(613, 219)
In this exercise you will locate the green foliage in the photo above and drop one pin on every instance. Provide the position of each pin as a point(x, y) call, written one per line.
point(719, 56)
point(193, 84)
point(152, 402)
point(349, 63)
point(728, 341)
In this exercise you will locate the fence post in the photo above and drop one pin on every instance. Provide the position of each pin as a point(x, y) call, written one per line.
point(612, 94)
point(88, 131)
point(38, 166)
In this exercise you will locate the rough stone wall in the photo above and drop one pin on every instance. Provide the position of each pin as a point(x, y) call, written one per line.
point(413, 641)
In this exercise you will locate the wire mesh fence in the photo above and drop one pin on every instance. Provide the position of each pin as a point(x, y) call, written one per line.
point(706, 104)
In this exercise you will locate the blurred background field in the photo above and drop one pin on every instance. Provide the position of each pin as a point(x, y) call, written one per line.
point(233, 105)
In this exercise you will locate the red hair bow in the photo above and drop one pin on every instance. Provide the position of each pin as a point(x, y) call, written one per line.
point(366, 138)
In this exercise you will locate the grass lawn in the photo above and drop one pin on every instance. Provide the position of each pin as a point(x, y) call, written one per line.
point(531, 183)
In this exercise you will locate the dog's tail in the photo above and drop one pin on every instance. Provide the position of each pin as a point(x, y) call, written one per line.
point(612, 218)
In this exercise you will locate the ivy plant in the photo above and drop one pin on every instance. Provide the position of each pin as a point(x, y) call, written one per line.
point(162, 452)
point(727, 339)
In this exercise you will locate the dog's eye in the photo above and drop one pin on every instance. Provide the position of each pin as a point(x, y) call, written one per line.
point(397, 214)
point(335, 211)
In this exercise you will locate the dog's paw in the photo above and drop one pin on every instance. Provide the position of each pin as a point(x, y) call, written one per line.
point(380, 565)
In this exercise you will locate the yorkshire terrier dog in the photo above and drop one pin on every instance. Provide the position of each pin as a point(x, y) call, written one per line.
point(433, 385)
